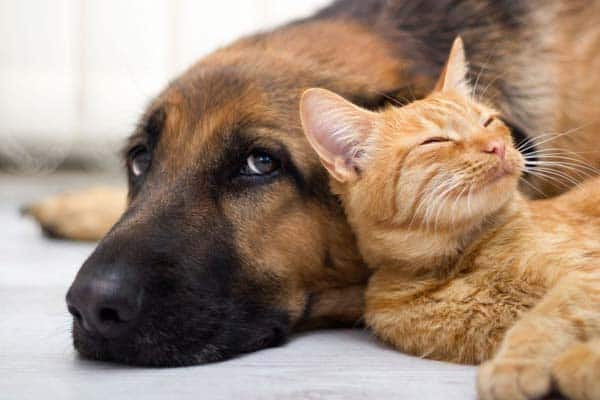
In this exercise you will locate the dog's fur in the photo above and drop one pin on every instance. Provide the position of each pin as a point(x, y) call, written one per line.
point(233, 264)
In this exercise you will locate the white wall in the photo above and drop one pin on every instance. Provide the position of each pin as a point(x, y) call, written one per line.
point(76, 74)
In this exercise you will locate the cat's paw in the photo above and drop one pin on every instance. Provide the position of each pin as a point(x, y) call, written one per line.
point(513, 379)
point(577, 372)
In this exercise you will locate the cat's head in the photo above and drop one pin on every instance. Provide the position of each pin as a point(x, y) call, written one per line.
point(445, 161)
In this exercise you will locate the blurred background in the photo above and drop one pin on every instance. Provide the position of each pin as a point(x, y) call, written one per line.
point(76, 74)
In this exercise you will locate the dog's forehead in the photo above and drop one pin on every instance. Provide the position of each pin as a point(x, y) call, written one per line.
point(208, 110)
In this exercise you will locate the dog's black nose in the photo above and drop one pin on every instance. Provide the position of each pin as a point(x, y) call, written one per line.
point(107, 304)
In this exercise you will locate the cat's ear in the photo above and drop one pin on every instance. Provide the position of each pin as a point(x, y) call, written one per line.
point(455, 74)
point(337, 130)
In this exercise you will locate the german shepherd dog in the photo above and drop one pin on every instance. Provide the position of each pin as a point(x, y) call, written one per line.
point(232, 239)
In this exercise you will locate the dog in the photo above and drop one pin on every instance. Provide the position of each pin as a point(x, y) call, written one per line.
point(231, 238)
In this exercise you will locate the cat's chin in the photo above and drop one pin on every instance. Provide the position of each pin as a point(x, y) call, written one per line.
point(501, 180)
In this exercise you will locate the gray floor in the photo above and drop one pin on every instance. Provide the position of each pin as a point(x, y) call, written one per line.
point(37, 360)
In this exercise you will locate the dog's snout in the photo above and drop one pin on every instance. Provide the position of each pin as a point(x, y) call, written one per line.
point(107, 304)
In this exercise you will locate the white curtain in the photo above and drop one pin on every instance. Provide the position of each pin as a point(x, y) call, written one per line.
point(76, 74)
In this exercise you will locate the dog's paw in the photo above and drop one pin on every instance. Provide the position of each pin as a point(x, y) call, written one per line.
point(577, 372)
point(79, 215)
point(513, 379)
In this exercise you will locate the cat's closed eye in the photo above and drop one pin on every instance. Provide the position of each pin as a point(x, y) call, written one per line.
point(433, 140)
point(489, 121)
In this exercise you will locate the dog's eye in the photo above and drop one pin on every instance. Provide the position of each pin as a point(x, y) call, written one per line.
point(258, 164)
point(139, 160)
point(435, 140)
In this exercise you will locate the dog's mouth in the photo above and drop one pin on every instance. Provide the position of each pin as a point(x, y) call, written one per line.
point(167, 321)
point(134, 304)
point(164, 347)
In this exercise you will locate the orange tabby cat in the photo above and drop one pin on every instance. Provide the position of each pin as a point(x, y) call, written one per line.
point(465, 267)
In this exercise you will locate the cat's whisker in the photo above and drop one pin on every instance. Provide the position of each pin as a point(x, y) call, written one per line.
point(558, 156)
point(564, 151)
point(563, 161)
point(553, 172)
point(469, 208)
point(422, 209)
point(552, 179)
point(558, 151)
point(480, 73)
point(395, 100)
point(537, 141)
point(553, 176)
point(580, 169)
point(566, 156)
point(531, 143)
point(532, 186)
point(431, 203)
point(551, 160)
point(483, 68)
point(456, 200)
point(556, 136)
point(428, 202)
point(547, 154)
point(561, 158)
point(440, 204)
point(456, 197)
point(441, 201)
point(489, 85)
point(531, 140)
point(418, 206)
point(425, 201)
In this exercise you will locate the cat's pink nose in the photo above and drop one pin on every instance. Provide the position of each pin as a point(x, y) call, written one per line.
point(496, 147)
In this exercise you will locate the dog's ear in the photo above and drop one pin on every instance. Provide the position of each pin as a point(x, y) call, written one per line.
point(337, 130)
point(454, 74)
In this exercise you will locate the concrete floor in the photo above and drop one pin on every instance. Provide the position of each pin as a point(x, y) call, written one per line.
point(38, 361)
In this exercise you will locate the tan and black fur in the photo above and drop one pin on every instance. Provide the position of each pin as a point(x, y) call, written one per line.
point(275, 254)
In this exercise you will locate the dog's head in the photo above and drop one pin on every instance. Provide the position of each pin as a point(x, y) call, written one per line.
point(232, 237)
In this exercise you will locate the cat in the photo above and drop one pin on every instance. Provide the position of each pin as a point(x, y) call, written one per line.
point(466, 268)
